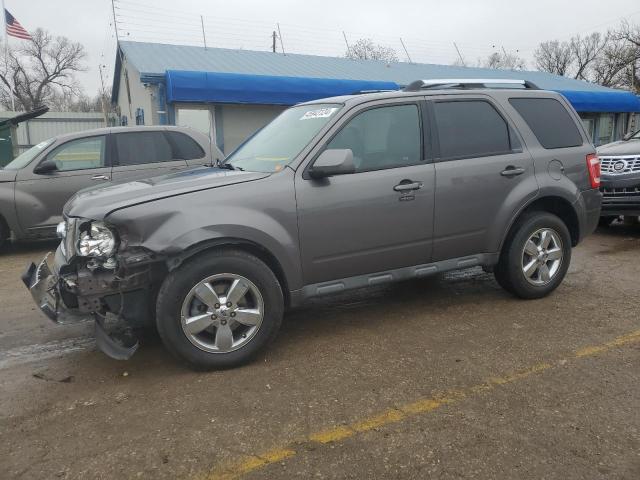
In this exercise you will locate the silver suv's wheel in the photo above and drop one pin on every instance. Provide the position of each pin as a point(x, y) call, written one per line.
point(219, 309)
point(542, 256)
point(222, 313)
point(535, 256)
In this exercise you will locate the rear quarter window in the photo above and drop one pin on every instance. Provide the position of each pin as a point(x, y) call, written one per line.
point(549, 120)
point(185, 147)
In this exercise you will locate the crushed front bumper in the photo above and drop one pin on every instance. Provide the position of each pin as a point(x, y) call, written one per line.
point(113, 338)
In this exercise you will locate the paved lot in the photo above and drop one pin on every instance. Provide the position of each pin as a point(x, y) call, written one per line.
point(448, 377)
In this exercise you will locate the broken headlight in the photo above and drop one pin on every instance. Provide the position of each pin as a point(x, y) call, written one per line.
point(97, 240)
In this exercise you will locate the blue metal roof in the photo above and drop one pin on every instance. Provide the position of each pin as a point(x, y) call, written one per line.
point(155, 59)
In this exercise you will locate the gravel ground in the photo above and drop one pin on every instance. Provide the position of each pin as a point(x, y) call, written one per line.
point(446, 377)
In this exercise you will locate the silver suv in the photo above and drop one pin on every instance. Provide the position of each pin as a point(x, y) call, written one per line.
point(332, 195)
point(35, 186)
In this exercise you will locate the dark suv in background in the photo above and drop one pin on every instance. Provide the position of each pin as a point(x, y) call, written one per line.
point(35, 186)
point(332, 195)
point(620, 179)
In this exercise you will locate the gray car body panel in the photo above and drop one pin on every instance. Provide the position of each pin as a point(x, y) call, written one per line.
point(31, 204)
point(318, 231)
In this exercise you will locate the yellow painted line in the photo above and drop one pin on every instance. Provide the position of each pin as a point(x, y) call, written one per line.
point(398, 414)
point(617, 342)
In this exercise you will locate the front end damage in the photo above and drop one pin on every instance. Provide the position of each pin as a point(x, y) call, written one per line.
point(116, 293)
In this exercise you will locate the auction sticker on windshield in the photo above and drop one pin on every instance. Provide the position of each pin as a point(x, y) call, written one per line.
point(319, 113)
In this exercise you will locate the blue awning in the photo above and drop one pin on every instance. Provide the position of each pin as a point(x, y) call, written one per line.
point(602, 101)
point(213, 87)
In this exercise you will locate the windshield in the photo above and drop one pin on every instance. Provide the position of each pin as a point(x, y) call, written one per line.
point(25, 158)
point(277, 144)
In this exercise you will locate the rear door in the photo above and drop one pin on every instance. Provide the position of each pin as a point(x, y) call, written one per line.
point(81, 163)
point(144, 154)
point(482, 175)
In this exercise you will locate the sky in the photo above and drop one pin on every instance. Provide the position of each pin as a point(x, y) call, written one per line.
point(428, 28)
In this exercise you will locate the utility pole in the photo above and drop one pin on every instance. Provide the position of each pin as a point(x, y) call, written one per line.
point(6, 55)
point(204, 36)
point(405, 50)
point(274, 37)
point(459, 55)
point(102, 92)
point(347, 43)
point(280, 37)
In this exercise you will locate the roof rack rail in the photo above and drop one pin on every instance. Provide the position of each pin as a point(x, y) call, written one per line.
point(375, 90)
point(464, 83)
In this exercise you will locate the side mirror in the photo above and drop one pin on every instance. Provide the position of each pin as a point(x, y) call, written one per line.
point(333, 162)
point(47, 166)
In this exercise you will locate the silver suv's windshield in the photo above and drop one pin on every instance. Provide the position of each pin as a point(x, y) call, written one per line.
point(25, 158)
point(277, 144)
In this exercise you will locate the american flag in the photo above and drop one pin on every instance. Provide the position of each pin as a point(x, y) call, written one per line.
point(14, 28)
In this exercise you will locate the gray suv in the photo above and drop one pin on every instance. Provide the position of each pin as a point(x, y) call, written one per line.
point(35, 186)
point(332, 195)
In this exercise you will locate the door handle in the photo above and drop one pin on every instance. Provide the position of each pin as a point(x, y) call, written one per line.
point(100, 177)
point(406, 185)
point(512, 171)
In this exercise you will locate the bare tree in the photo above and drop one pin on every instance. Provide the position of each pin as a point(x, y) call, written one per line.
point(613, 66)
point(585, 51)
point(39, 70)
point(503, 61)
point(365, 49)
point(554, 57)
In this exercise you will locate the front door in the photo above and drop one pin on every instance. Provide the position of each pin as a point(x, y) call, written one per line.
point(141, 154)
point(480, 167)
point(80, 163)
point(380, 217)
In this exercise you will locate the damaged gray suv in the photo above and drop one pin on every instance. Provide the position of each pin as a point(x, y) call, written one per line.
point(332, 195)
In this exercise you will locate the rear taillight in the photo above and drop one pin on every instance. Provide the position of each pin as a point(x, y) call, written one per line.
point(593, 165)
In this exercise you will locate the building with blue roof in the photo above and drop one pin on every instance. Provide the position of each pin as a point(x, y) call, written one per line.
point(229, 94)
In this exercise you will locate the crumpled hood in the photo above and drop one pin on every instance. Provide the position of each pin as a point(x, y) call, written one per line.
point(7, 175)
point(97, 202)
point(629, 147)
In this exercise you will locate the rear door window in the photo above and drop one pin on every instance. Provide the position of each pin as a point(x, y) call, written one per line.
point(470, 128)
point(549, 120)
point(140, 148)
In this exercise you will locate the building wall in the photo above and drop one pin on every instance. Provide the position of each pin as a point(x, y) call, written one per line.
point(133, 95)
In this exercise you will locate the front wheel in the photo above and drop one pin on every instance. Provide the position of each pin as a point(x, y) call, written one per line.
point(219, 309)
point(535, 257)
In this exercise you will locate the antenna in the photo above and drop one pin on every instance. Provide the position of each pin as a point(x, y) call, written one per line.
point(459, 55)
point(405, 50)
point(204, 35)
point(345, 41)
point(280, 36)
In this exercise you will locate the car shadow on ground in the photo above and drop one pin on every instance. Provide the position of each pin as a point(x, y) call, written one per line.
point(16, 248)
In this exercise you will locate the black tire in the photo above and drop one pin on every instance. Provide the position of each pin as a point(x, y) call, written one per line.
point(606, 221)
point(509, 271)
point(177, 286)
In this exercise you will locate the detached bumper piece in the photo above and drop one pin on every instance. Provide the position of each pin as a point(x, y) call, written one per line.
point(113, 336)
point(43, 286)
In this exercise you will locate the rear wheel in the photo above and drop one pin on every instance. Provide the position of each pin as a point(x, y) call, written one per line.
point(219, 309)
point(535, 257)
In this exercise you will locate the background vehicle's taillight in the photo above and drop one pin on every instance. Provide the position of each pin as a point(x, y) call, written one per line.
point(593, 165)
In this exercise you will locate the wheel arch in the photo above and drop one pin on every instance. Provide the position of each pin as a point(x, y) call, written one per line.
point(248, 246)
point(556, 205)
